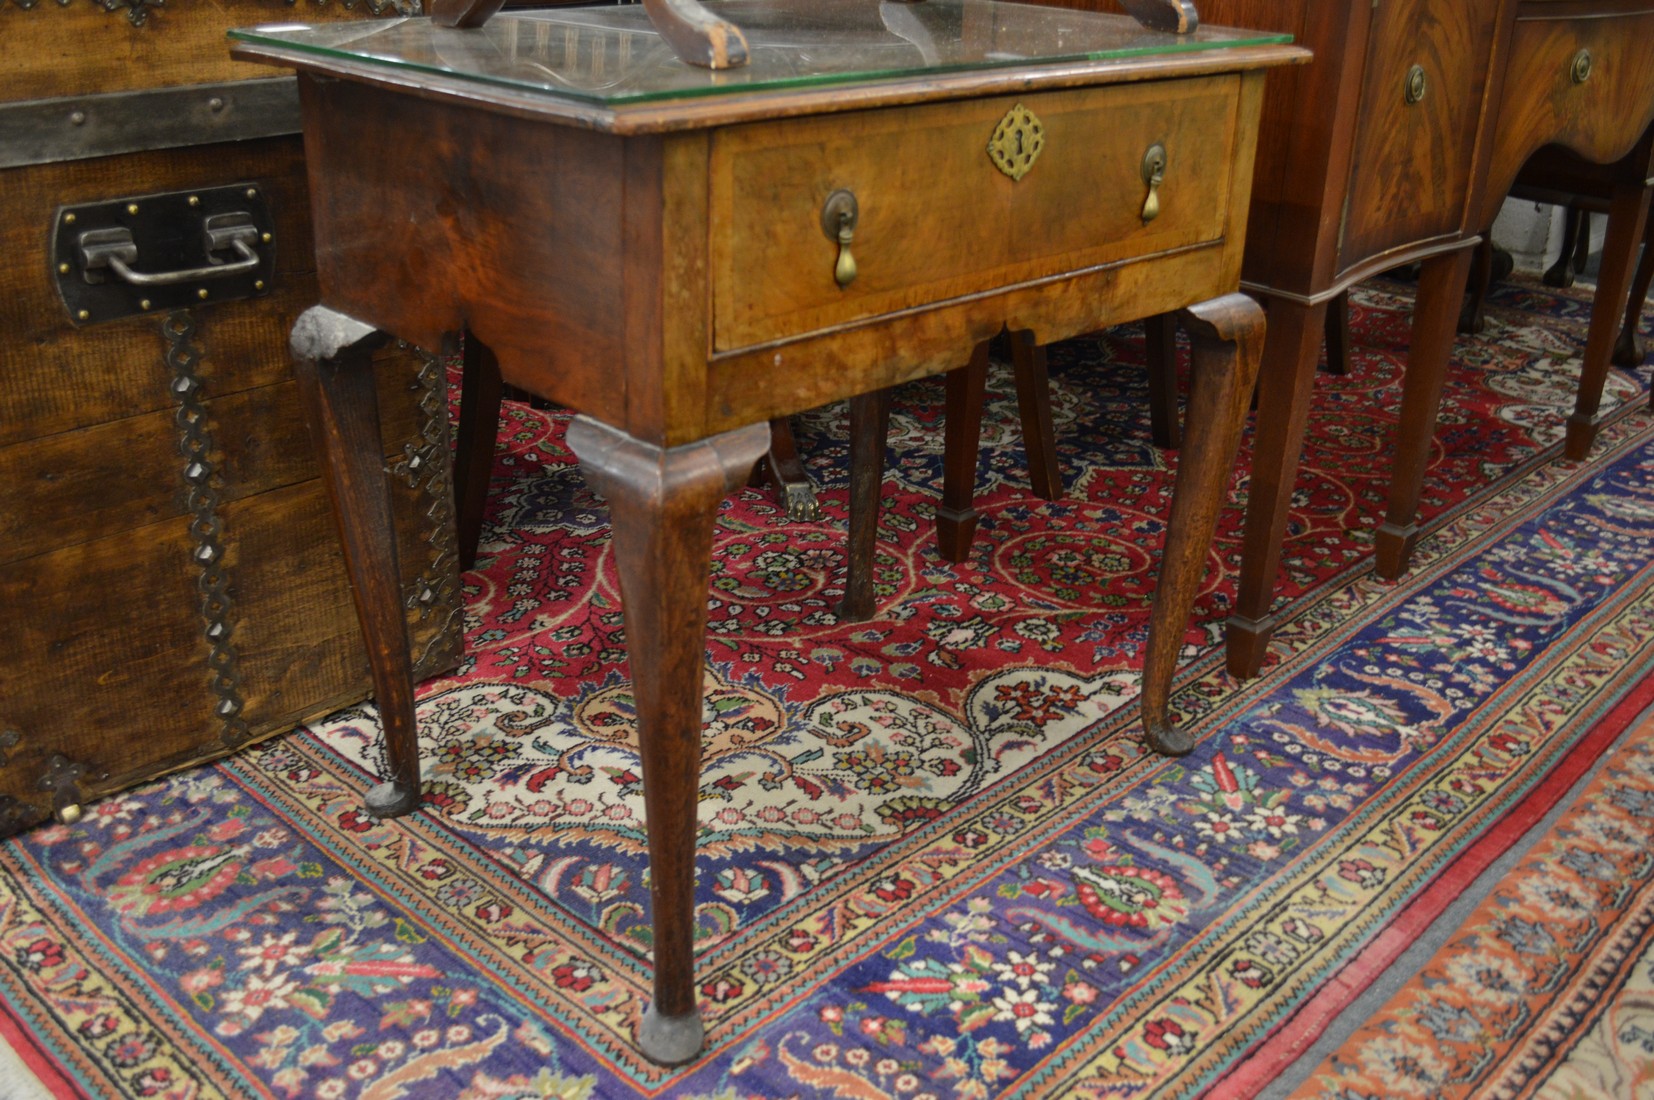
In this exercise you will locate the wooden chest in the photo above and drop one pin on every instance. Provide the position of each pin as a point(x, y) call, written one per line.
point(170, 583)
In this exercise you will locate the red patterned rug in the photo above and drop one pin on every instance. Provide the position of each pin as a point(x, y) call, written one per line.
point(934, 859)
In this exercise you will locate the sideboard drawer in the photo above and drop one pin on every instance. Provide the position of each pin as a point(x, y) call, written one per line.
point(1421, 105)
point(925, 186)
point(1585, 84)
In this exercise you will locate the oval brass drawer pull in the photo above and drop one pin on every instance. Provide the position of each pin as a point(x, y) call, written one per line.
point(1417, 84)
point(838, 221)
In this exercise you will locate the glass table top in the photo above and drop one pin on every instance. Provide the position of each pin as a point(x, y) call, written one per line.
point(613, 56)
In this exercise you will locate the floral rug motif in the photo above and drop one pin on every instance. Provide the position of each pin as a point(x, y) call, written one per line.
point(934, 858)
point(1548, 989)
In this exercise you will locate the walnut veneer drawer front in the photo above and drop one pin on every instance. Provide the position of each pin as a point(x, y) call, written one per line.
point(1421, 99)
point(926, 186)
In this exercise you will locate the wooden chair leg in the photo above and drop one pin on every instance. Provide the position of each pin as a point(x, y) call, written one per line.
point(962, 437)
point(1629, 349)
point(1160, 359)
point(1033, 382)
point(1338, 334)
point(1472, 318)
point(869, 434)
point(1576, 232)
point(480, 393)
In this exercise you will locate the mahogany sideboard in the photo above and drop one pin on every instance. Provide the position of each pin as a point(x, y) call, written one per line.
point(683, 255)
point(1396, 146)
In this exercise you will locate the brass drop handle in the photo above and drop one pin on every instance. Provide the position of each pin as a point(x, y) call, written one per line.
point(1417, 84)
point(1580, 69)
point(1154, 174)
point(838, 221)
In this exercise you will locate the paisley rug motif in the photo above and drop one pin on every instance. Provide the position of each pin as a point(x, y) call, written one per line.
point(935, 859)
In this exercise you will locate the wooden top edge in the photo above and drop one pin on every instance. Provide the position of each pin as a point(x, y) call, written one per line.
point(705, 112)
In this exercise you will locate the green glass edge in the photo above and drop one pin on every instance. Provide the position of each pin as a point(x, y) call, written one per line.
point(249, 34)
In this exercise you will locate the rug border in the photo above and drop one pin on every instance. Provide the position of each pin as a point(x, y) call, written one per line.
point(1296, 1032)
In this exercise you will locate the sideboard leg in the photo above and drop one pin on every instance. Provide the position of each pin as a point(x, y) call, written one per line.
point(1435, 320)
point(967, 387)
point(1627, 217)
point(662, 502)
point(1226, 337)
point(333, 363)
point(1285, 389)
point(869, 434)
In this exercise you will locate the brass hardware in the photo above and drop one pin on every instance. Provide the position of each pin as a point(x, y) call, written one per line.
point(1417, 84)
point(69, 814)
point(131, 208)
point(1581, 68)
point(1154, 174)
point(1017, 142)
point(838, 221)
point(68, 219)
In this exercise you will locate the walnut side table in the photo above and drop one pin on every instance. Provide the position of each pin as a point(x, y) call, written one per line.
point(682, 255)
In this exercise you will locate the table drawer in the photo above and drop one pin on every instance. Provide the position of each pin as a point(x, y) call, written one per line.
point(937, 219)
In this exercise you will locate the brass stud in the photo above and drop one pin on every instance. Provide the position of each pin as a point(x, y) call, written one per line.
point(143, 303)
point(258, 284)
point(252, 192)
point(202, 293)
point(131, 208)
point(195, 200)
point(84, 315)
point(264, 237)
point(64, 269)
point(68, 219)
point(215, 104)
point(77, 118)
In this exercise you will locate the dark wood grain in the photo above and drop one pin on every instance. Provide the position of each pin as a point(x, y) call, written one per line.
point(1160, 360)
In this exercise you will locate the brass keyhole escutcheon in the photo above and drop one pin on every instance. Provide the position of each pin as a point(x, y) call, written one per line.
point(838, 221)
point(1154, 174)
point(1581, 68)
point(1417, 84)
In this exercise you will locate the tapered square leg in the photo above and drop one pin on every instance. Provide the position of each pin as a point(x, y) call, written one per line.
point(1627, 218)
point(1435, 319)
point(1285, 387)
point(662, 502)
point(333, 363)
